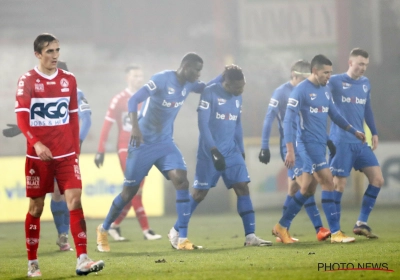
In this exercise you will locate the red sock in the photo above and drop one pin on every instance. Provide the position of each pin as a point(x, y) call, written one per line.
point(78, 230)
point(140, 213)
point(32, 233)
point(123, 214)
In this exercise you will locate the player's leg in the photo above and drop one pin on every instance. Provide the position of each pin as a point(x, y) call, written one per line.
point(60, 212)
point(39, 181)
point(340, 184)
point(367, 163)
point(325, 179)
point(313, 213)
point(69, 181)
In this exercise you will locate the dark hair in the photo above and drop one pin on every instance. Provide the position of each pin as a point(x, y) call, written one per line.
point(359, 52)
point(233, 73)
point(62, 65)
point(42, 41)
point(132, 67)
point(320, 60)
point(191, 58)
point(300, 68)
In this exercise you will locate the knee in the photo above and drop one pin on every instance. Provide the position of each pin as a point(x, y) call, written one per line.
point(242, 190)
point(129, 192)
point(182, 183)
point(74, 202)
point(377, 181)
point(36, 209)
point(199, 196)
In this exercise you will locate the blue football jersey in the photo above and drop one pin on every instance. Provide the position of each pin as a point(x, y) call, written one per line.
point(219, 122)
point(276, 108)
point(167, 95)
point(84, 113)
point(312, 104)
point(351, 98)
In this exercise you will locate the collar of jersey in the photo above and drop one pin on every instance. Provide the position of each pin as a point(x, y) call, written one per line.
point(44, 75)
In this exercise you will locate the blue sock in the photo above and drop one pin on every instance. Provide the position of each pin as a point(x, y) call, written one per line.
point(65, 226)
point(337, 196)
point(313, 213)
point(58, 209)
point(293, 208)
point(246, 212)
point(115, 209)
point(328, 204)
point(183, 211)
point(193, 206)
point(286, 203)
point(368, 202)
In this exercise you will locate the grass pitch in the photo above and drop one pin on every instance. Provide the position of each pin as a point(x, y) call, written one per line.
point(223, 257)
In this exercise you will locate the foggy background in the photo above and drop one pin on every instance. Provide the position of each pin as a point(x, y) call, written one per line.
point(99, 38)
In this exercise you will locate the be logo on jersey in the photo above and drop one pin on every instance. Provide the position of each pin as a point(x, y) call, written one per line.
point(64, 83)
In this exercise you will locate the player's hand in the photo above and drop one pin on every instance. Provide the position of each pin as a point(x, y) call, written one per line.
point(99, 159)
point(290, 159)
point(360, 136)
point(218, 159)
point(264, 156)
point(42, 151)
point(332, 148)
point(11, 131)
point(375, 141)
point(136, 137)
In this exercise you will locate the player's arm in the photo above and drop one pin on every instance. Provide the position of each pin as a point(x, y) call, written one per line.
point(292, 110)
point(370, 121)
point(338, 119)
point(85, 118)
point(22, 108)
point(272, 111)
point(74, 118)
point(239, 135)
point(141, 95)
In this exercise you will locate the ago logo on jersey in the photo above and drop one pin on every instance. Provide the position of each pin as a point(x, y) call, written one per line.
point(49, 111)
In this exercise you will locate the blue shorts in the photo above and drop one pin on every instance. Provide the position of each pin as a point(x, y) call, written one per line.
point(349, 155)
point(164, 155)
point(207, 176)
point(313, 156)
point(297, 169)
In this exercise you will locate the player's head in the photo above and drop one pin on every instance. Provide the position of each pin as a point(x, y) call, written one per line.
point(321, 69)
point(134, 77)
point(300, 71)
point(62, 65)
point(234, 80)
point(47, 49)
point(191, 66)
point(358, 63)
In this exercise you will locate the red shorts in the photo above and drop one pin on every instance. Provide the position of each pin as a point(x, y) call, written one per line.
point(123, 154)
point(40, 175)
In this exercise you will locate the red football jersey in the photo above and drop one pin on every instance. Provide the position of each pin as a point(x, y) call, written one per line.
point(117, 112)
point(47, 111)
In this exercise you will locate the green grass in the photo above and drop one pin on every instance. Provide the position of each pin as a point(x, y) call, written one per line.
point(224, 256)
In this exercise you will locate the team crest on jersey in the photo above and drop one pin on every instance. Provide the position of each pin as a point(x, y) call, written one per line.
point(204, 104)
point(184, 92)
point(64, 82)
point(171, 90)
point(273, 102)
point(365, 88)
point(313, 96)
point(327, 95)
point(237, 104)
point(346, 85)
point(221, 101)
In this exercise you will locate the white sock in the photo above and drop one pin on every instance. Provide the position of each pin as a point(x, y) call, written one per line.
point(359, 223)
point(81, 256)
point(181, 240)
point(32, 261)
point(251, 235)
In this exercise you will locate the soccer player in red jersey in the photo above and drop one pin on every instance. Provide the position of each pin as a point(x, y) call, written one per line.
point(118, 113)
point(47, 114)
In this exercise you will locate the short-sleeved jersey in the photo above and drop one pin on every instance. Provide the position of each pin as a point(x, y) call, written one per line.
point(83, 104)
point(220, 113)
point(313, 104)
point(118, 113)
point(167, 95)
point(50, 102)
point(350, 97)
point(276, 108)
point(84, 114)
